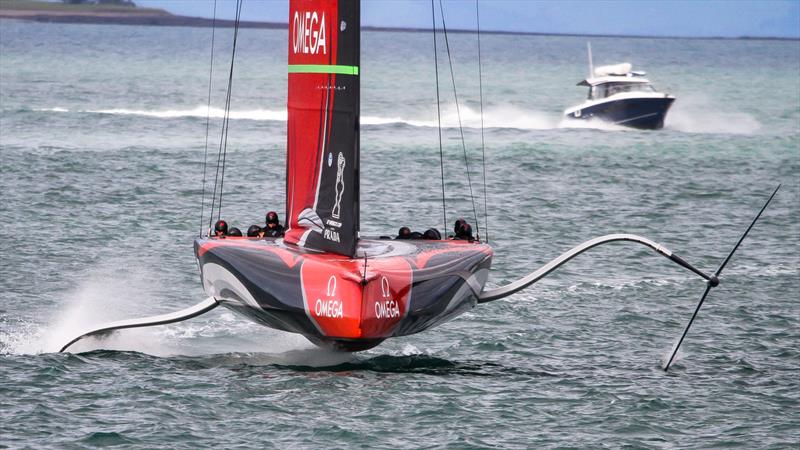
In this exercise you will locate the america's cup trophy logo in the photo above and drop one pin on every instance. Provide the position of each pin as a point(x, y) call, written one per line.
point(337, 206)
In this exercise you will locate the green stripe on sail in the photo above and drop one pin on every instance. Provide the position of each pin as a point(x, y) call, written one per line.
point(323, 68)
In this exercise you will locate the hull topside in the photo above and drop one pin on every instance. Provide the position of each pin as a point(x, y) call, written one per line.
point(646, 113)
point(391, 288)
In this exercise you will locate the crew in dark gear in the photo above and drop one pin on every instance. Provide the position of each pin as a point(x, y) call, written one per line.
point(255, 231)
point(221, 228)
point(235, 232)
point(273, 228)
point(432, 234)
point(465, 233)
point(457, 227)
point(403, 233)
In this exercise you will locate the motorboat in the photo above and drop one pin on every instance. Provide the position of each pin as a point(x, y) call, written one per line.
point(622, 96)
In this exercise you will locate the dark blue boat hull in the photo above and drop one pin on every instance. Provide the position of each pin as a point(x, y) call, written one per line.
point(641, 113)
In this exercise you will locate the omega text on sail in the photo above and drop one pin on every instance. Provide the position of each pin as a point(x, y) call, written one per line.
point(308, 33)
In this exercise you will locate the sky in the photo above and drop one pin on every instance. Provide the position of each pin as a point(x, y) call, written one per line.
point(690, 18)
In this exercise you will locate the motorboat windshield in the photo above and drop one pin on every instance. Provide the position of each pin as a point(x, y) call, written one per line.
point(604, 90)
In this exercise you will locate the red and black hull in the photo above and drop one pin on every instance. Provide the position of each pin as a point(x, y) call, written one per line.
point(391, 288)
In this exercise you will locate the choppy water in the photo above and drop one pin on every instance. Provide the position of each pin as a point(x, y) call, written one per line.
point(101, 138)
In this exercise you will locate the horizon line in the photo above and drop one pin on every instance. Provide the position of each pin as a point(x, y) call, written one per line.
point(204, 22)
point(381, 28)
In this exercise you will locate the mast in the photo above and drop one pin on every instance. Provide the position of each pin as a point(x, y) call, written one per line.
point(591, 65)
point(322, 162)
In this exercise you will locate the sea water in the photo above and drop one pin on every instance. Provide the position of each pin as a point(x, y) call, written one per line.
point(102, 144)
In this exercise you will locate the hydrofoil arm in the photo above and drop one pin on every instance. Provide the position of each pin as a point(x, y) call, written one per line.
point(162, 319)
point(712, 281)
point(522, 283)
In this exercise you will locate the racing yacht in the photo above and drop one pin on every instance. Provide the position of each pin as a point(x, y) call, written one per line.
point(323, 280)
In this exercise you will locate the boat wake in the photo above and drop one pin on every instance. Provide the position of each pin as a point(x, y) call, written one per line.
point(500, 117)
point(97, 299)
point(259, 347)
point(107, 295)
point(199, 112)
point(698, 114)
point(592, 124)
point(688, 116)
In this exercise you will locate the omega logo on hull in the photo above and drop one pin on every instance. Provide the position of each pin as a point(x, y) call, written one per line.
point(308, 33)
point(387, 308)
point(330, 307)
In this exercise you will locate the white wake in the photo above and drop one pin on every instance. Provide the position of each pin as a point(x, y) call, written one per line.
point(697, 113)
point(106, 294)
point(496, 117)
point(693, 114)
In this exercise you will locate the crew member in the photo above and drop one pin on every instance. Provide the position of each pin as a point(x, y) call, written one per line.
point(235, 232)
point(221, 229)
point(404, 233)
point(465, 233)
point(273, 228)
point(457, 227)
point(254, 231)
point(432, 234)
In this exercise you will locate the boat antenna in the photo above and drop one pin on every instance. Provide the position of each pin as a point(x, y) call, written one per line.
point(591, 65)
point(460, 127)
point(208, 118)
point(714, 282)
point(223, 142)
point(483, 146)
point(439, 113)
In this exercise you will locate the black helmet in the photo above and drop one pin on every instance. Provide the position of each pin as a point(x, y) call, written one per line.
point(253, 231)
point(457, 227)
point(403, 233)
point(272, 217)
point(221, 227)
point(432, 234)
point(235, 232)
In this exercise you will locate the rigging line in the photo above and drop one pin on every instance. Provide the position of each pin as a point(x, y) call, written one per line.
point(219, 159)
point(208, 118)
point(461, 128)
point(227, 119)
point(219, 152)
point(228, 105)
point(439, 114)
point(483, 146)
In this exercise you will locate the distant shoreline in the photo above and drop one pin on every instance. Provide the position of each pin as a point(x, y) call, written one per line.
point(156, 17)
point(99, 18)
